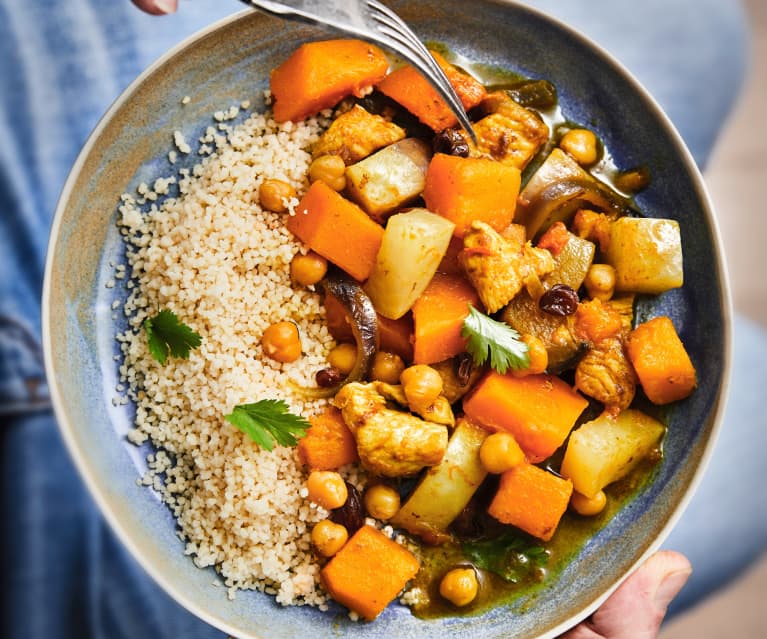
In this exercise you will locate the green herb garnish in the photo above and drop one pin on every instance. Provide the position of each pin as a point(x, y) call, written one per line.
point(510, 556)
point(167, 334)
point(498, 340)
point(268, 421)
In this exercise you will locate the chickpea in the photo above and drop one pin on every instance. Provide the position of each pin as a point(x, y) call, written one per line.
point(329, 169)
point(343, 357)
point(308, 269)
point(421, 385)
point(588, 506)
point(387, 367)
point(500, 452)
point(381, 501)
point(582, 145)
point(281, 342)
point(327, 489)
point(328, 537)
point(272, 194)
point(600, 281)
point(459, 586)
point(537, 354)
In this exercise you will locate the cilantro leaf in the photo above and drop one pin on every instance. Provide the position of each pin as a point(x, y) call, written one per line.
point(168, 335)
point(510, 556)
point(487, 336)
point(268, 421)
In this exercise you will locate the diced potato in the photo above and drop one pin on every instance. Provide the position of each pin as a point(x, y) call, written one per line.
point(356, 134)
point(390, 178)
point(608, 448)
point(446, 488)
point(413, 246)
point(646, 254)
point(572, 263)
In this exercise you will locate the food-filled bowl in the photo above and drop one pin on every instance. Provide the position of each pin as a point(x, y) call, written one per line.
point(211, 82)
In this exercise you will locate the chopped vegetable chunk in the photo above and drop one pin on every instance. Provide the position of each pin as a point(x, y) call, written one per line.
point(319, 74)
point(606, 449)
point(661, 361)
point(338, 230)
point(328, 444)
point(368, 572)
point(438, 316)
point(409, 88)
point(467, 189)
point(531, 499)
point(539, 410)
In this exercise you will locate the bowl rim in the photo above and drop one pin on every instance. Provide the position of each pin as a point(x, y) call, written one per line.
point(87, 472)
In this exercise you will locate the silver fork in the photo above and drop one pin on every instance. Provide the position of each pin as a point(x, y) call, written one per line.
point(374, 22)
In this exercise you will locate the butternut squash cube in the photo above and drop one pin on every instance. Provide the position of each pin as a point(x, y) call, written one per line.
point(368, 572)
point(531, 499)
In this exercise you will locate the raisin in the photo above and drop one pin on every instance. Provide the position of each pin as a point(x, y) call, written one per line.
point(451, 142)
point(328, 377)
point(464, 366)
point(352, 514)
point(560, 300)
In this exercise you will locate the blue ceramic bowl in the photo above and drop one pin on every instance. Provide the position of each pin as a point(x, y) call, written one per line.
point(230, 62)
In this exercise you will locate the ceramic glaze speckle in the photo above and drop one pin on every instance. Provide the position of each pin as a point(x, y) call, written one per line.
point(230, 63)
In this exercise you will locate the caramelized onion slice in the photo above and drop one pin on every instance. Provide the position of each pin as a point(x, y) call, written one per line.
point(561, 199)
point(364, 324)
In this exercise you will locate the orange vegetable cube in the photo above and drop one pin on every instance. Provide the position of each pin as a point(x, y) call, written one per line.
point(468, 189)
point(368, 572)
point(539, 410)
point(328, 444)
point(661, 362)
point(337, 229)
point(409, 88)
point(531, 499)
point(319, 74)
point(438, 317)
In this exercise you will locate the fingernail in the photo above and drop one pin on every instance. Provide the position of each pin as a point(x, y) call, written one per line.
point(670, 587)
point(166, 6)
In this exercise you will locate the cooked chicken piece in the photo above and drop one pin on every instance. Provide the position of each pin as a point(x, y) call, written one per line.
point(498, 268)
point(605, 374)
point(510, 133)
point(390, 442)
point(356, 134)
point(440, 412)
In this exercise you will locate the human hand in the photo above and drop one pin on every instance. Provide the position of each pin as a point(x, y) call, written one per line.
point(157, 7)
point(636, 609)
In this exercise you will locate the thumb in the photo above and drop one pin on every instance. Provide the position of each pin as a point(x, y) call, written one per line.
point(157, 7)
point(636, 609)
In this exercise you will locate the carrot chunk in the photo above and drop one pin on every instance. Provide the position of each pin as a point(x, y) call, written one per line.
point(319, 74)
point(409, 88)
point(438, 317)
point(661, 362)
point(328, 444)
point(531, 499)
point(468, 189)
point(368, 572)
point(337, 229)
point(539, 410)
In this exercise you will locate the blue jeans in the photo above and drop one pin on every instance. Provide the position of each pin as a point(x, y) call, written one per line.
point(64, 573)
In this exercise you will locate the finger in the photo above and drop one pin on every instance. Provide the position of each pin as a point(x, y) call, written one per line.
point(636, 609)
point(157, 7)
